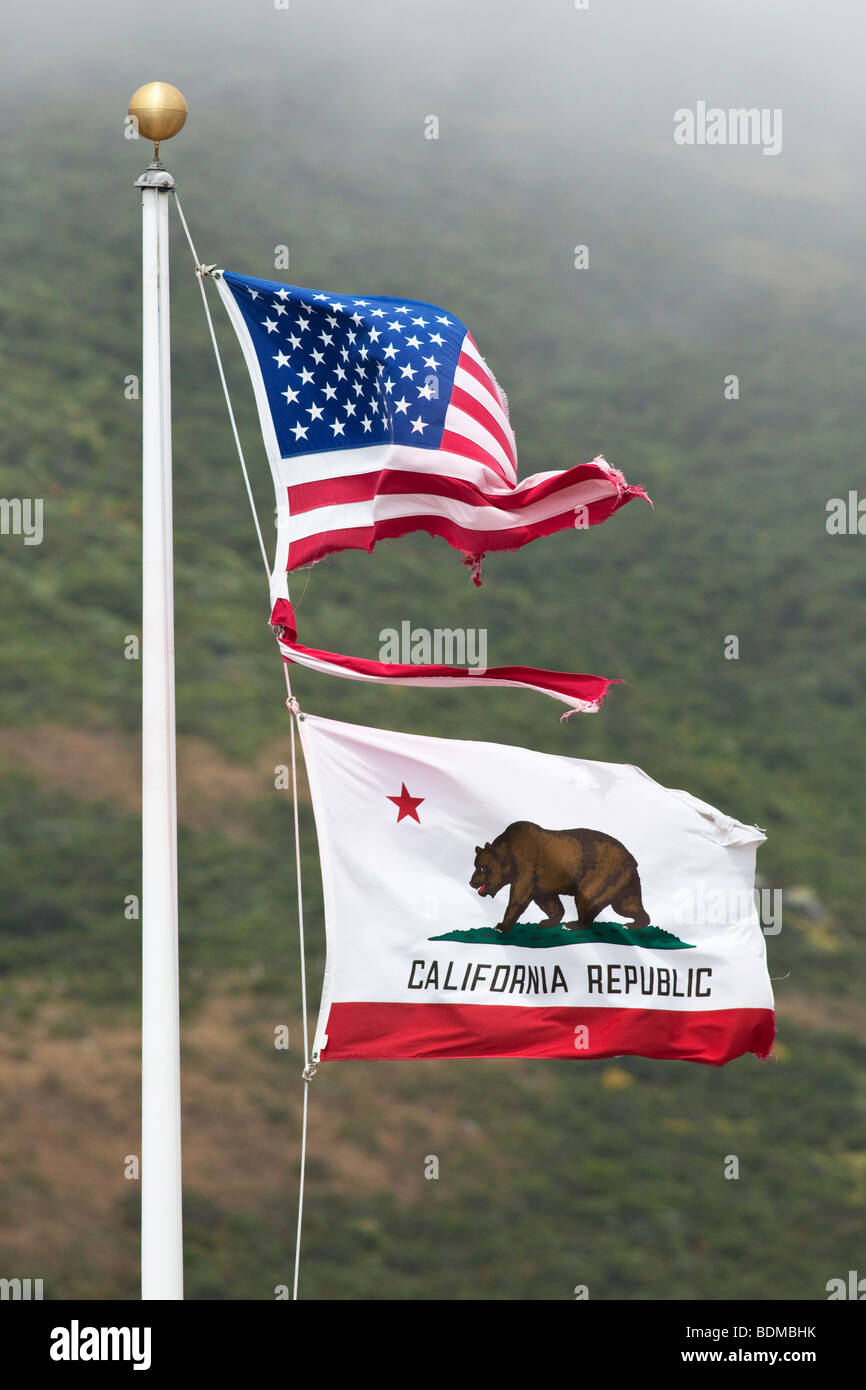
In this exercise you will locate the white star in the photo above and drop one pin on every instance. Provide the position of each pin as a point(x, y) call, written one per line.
point(326, 338)
point(254, 294)
point(318, 357)
point(330, 391)
point(338, 308)
point(283, 294)
point(389, 386)
point(440, 318)
point(362, 303)
point(270, 325)
point(349, 407)
point(374, 335)
point(303, 324)
point(294, 340)
point(320, 296)
point(377, 314)
point(402, 310)
point(279, 309)
point(368, 424)
point(357, 320)
point(413, 342)
point(332, 320)
point(338, 427)
point(437, 338)
point(408, 371)
point(396, 325)
point(426, 391)
point(358, 388)
point(422, 323)
point(419, 425)
point(306, 377)
point(401, 406)
point(281, 360)
point(315, 412)
point(290, 395)
point(300, 432)
point(431, 363)
point(390, 351)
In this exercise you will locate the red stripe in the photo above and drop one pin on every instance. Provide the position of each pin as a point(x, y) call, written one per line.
point(574, 685)
point(410, 1031)
point(482, 376)
point(330, 492)
point(470, 541)
point(384, 482)
point(482, 416)
point(313, 548)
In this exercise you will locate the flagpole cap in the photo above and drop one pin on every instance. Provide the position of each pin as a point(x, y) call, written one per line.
point(160, 111)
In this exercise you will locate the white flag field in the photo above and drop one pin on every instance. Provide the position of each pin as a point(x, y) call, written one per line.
point(483, 900)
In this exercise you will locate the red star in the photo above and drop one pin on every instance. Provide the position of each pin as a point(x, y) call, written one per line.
point(406, 804)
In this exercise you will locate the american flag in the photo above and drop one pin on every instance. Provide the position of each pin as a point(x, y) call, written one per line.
point(381, 417)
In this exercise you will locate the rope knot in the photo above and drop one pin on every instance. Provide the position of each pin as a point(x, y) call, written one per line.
point(293, 706)
point(202, 270)
point(310, 1071)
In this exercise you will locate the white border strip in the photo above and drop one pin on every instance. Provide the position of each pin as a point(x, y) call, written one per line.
point(278, 582)
point(305, 725)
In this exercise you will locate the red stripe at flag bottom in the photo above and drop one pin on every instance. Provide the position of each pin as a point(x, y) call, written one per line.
point(405, 1032)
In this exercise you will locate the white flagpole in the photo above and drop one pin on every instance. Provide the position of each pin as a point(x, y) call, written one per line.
point(159, 115)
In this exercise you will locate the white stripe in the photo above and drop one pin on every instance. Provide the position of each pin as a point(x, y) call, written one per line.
point(347, 515)
point(471, 350)
point(497, 390)
point(474, 389)
point(460, 423)
point(350, 463)
point(472, 386)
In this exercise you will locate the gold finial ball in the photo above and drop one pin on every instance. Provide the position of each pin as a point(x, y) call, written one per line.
point(160, 110)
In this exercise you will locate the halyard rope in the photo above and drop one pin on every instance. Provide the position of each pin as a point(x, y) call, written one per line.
point(291, 703)
point(200, 272)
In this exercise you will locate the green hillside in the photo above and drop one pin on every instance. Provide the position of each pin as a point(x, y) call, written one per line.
point(603, 1173)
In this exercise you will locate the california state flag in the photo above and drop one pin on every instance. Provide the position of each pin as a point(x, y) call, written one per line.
point(490, 901)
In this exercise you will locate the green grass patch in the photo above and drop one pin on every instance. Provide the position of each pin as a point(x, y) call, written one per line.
point(535, 937)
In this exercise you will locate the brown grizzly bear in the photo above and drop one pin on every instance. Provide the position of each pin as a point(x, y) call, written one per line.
point(540, 864)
